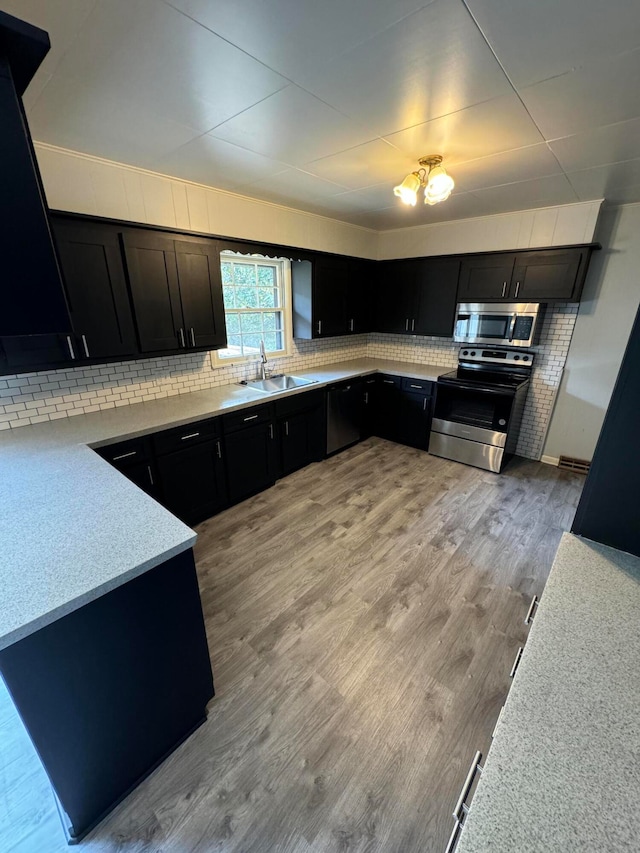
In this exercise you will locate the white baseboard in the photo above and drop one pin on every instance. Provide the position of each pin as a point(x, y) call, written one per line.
point(550, 460)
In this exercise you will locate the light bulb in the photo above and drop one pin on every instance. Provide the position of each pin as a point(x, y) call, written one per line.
point(439, 186)
point(407, 191)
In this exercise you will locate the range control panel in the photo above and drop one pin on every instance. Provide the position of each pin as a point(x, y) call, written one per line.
point(513, 358)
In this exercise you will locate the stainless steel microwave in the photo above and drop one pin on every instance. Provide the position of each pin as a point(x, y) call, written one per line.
point(509, 324)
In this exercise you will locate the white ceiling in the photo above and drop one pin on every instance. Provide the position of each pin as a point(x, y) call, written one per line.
point(325, 105)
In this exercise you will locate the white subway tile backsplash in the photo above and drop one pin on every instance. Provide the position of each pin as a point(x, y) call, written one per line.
point(123, 383)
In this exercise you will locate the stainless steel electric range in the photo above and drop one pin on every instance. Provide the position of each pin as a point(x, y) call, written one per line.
point(479, 407)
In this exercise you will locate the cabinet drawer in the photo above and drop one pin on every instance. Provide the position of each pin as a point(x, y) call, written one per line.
point(125, 452)
point(299, 403)
point(184, 436)
point(246, 417)
point(418, 386)
point(388, 381)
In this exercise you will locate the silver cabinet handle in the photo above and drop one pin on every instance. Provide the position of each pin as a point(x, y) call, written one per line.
point(366, 398)
point(516, 662)
point(424, 405)
point(453, 840)
point(517, 287)
point(529, 617)
point(218, 450)
point(70, 345)
point(191, 435)
point(125, 455)
point(388, 382)
point(193, 336)
point(286, 427)
point(150, 475)
point(462, 808)
point(250, 418)
point(495, 728)
point(406, 325)
point(271, 431)
point(86, 348)
point(413, 325)
point(419, 387)
point(351, 325)
point(319, 327)
point(504, 288)
point(181, 336)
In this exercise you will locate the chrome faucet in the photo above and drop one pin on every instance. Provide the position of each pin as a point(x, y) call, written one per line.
point(263, 361)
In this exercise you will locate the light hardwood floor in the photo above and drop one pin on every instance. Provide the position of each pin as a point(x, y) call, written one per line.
point(362, 618)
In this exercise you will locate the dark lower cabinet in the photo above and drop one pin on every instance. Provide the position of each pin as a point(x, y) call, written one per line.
point(369, 404)
point(250, 452)
point(108, 691)
point(134, 459)
point(191, 470)
point(402, 410)
point(301, 430)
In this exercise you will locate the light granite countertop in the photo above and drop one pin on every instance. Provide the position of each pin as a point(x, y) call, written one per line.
point(73, 528)
point(563, 771)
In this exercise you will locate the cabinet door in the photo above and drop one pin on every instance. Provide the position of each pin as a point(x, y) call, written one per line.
point(330, 284)
point(437, 282)
point(93, 274)
point(143, 475)
point(485, 277)
point(294, 442)
point(153, 278)
point(360, 297)
point(200, 282)
point(396, 309)
point(250, 460)
point(193, 482)
point(415, 420)
point(389, 402)
point(37, 352)
point(545, 276)
point(370, 385)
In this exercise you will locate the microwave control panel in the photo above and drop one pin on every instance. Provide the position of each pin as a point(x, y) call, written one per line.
point(523, 328)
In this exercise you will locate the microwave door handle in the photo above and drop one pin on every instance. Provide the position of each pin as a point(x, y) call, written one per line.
point(513, 327)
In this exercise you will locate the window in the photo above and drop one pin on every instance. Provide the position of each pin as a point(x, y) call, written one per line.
point(256, 306)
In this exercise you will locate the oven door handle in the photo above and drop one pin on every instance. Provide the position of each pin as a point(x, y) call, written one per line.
point(512, 327)
point(498, 391)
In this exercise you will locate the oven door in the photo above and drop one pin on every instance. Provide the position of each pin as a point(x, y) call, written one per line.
point(472, 412)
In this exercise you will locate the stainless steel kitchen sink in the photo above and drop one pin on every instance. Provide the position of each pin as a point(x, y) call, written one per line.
point(277, 383)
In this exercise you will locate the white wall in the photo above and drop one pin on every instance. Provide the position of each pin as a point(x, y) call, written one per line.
point(83, 184)
point(609, 305)
point(524, 229)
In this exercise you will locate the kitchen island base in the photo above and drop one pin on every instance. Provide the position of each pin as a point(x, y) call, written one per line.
point(109, 690)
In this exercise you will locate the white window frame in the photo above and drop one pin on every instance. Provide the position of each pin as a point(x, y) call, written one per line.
point(283, 267)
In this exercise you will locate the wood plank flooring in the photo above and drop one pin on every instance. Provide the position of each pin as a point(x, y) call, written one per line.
point(362, 617)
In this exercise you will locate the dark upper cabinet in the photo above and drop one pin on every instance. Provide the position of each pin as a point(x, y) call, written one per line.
point(417, 296)
point(94, 278)
point(32, 299)
point(176, 288)
point(200, 280)
point(542, 275)
point(436, 281)
point(332, 296)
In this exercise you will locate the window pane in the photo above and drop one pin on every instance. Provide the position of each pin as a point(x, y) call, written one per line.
point(266, 276)
point(234, 346)
point(246, 297)
point(251, 344)
point(251, 323)
point(229, 295)
point(272, 321)
point(266, 297)
point(233, 324)
point(245, 274)
point(273, 341)
point(227, 272)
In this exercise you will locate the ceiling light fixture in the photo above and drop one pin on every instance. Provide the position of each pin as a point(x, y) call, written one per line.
point(432, 176)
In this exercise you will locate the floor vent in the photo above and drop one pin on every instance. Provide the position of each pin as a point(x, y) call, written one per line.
point(568, 463)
